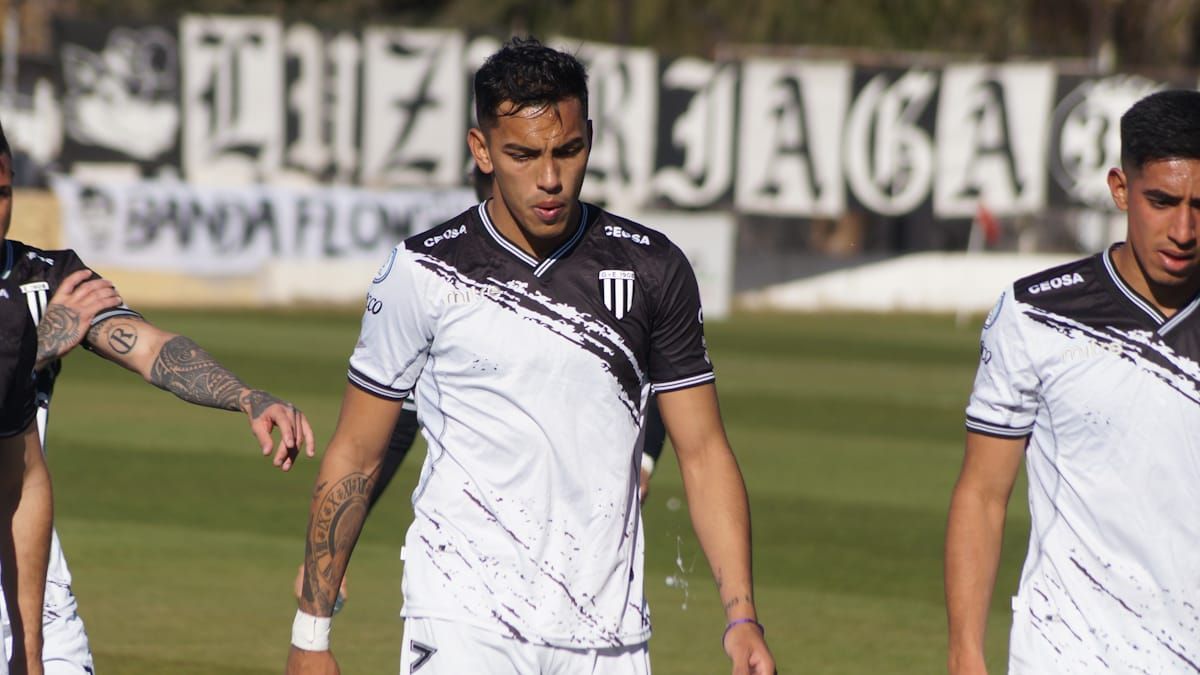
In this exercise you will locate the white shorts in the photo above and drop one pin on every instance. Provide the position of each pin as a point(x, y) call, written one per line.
point(435, 647)
point(65, 649)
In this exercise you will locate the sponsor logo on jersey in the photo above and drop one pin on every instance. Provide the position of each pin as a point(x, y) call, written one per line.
point(423, 653)
point(469, 294)
point(374, 304)
point(985, 354)
point(1090, 349)
point(385, 269)
point(452, 233)
point(616, 287)
point(4, 293)
point(33, 256)
point(621, 233)
point(1055, 283)
point(35, 286)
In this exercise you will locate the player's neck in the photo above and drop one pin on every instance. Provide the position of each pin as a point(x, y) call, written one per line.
point(1168, 299)
point(526, 239)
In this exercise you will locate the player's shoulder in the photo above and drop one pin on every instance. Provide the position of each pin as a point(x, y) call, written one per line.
point(30, 263)
point(636, 238)
point(1061, 285)
point(444, 235)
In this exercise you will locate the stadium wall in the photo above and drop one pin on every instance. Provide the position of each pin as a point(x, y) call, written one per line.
point(920, 282)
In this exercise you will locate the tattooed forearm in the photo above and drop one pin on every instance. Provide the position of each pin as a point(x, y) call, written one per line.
point(333, 529)
point(256, 402)
point(58, 332)
point(189, 372)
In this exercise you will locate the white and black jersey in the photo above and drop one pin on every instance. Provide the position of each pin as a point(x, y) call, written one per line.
point(1107, 389)
point(37, 274)
point(18, 351)
point(531, 379)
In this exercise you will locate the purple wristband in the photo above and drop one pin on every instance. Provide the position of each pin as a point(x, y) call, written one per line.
point(729, 626)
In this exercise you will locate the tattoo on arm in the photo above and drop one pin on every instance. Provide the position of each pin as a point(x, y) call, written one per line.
point(734, 602)
point(120, 336)
point(189, 372)
point(58, 332)
point(333, 529)
point(257, 401)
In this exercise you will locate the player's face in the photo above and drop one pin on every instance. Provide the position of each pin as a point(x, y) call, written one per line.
point(5, 195)
point(1162, 202)
point(537, 158)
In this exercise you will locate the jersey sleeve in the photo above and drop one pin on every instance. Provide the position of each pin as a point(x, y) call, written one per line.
point(396, 332)
point(1004, 399)
point(69, 262)
point(678, 354)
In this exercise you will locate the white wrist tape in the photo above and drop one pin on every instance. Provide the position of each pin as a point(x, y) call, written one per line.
point(647, 463)
point(311, 633)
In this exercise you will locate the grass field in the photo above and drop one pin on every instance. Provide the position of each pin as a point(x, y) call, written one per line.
point(184, 541)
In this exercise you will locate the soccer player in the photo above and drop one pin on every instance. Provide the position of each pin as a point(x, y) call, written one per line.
point(1091, 372)
point(25, 494)
point(408, 425)
point(533, 328)
point(72, 305)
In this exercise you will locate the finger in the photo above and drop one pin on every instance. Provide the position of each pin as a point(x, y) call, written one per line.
point(281, 456)
point(95, 288)
point(263, 434)
point(72, 280)
point(310, 445)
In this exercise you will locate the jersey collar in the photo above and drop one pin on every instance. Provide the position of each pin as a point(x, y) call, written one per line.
point(539, 266)
point(1164, 324)
point(6, 262)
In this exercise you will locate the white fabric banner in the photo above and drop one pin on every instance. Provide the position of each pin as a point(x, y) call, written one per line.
point(229, 231)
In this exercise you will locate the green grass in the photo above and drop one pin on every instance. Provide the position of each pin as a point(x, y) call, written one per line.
point(184, 541)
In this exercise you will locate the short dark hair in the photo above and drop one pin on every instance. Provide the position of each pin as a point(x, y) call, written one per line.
point(1164, 125)
point(4, 148)
point(527, 73)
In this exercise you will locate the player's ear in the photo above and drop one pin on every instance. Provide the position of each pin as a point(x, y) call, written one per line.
point(1118, 187)
point(477, 143)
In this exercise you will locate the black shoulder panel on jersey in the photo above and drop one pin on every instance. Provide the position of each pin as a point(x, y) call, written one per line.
point(439, 236)
point(1079, 290)
point(31, 264)
point(1053, 285)
point(18, 351)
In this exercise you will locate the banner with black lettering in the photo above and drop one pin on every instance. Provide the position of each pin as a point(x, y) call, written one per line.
point(223, 231)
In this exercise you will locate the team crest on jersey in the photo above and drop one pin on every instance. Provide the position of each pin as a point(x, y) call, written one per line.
point(616, 287)
point(385, 269)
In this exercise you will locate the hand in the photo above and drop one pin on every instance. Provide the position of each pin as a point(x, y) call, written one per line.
point(298, 589)
point(302, 662)
point(746, 647)
point(69, 313)
point(267, 412)
point(643, 486)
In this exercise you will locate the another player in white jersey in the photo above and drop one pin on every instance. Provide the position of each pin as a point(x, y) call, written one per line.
point(533, 329)
point(1091, 372)
point(72, 305)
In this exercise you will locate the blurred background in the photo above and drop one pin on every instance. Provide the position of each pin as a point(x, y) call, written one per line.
point(801, 137)
point(854, 182)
